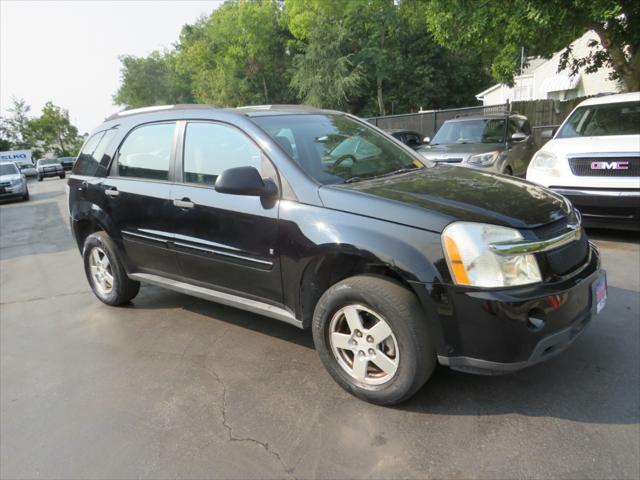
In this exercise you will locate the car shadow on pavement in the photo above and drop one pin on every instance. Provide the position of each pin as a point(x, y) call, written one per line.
point(625, 236)
point(592, 382)
point(45, 233)
point(151, 297)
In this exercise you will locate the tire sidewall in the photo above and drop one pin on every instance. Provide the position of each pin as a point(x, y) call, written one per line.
point(345, 294)
point(100, 240)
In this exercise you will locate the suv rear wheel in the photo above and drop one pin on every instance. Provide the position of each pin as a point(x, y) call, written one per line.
point(372, 337)
point(106, 275)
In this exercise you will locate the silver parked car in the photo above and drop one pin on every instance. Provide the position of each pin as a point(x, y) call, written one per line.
point(13, 184)
point(28, 169)
point(49, 167)
point(498, 143)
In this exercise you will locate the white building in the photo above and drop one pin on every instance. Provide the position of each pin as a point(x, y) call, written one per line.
point(541, 80)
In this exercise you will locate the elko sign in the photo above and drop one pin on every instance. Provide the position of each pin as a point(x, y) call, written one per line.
point(609, 165)
point(16, 156)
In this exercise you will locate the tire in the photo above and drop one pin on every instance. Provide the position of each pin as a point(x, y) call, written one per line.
point(39, 179)
point(122, 288)
point(410, 345)
point(508, 170)
point(62, 176)
point(26, 196)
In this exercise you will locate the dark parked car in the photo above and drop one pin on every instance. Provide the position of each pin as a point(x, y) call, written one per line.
point(408, 137)
point(499, 143)
point(394, 265)
point(67, 162)
point(49, 167)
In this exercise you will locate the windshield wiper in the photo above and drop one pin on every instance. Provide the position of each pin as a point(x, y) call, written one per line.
point(388, 174)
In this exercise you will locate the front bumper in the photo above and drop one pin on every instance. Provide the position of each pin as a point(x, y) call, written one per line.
point(606, 208)
point(13, 191)
point(490, 331)
point(50, 173)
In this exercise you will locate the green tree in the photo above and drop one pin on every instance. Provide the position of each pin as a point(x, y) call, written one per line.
point(53, 132)
point(498, 30)
point(15, 129)
point(238, 55)
point(152, 80)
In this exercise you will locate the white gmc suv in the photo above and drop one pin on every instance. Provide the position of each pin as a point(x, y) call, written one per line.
point(594, 160)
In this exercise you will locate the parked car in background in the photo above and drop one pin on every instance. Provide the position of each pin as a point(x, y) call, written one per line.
point(498, 143)
point(594, 160)
point(67, 162)
point(49, 167)
point(393, 265)
point(408, 137)
point(28, 169)
point(13, 184)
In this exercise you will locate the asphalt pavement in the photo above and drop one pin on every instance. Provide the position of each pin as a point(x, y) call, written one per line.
point(173, 386)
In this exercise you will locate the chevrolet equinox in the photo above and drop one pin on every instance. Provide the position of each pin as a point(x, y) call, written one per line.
point(318, 219)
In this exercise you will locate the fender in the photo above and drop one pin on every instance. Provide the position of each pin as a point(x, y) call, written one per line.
point(406, 251)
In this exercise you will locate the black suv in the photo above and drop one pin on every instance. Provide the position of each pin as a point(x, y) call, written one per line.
point(319, 219)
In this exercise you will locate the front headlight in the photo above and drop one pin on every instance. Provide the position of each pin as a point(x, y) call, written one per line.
point(472, 262)
point(16, 181)
point(546, 163)
point(484, 159)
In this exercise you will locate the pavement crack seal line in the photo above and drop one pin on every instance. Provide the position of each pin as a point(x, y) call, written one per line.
point(229, 428)
point(37, 299)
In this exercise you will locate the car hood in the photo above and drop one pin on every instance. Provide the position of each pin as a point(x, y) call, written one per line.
point(8, 178)
point(602, 144)
point(435, 196)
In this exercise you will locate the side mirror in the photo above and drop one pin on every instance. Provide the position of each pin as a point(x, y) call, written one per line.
point(244, 181)
point(518, 136)
point(548, 133)
point(426, 140)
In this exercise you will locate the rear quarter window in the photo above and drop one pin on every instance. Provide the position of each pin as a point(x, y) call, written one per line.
point(92, 152)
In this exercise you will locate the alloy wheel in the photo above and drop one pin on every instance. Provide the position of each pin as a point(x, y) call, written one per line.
point(364, 345)
point(101, 272)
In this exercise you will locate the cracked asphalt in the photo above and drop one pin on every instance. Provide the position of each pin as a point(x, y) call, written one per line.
point(173, 386)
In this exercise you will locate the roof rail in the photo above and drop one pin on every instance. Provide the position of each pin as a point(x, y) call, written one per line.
point(477, 114)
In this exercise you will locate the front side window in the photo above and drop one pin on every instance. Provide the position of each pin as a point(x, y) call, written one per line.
point(211, 148)
point(601, 120)
point(146, 152)
point(336, 148)
point(483, 130)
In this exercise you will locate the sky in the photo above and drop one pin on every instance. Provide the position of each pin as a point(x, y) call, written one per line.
point(67, 51)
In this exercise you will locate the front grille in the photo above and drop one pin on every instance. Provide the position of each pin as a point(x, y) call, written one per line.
point(568, 257)
point(593, 166)
point(5, 184)
point(447, 160)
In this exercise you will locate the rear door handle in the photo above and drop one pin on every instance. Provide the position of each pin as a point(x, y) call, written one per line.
point(111, 191)
point(183, 203)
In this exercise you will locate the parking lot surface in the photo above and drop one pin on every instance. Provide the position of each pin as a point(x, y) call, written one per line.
point(173, 386)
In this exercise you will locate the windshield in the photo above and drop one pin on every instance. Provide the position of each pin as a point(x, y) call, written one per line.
point(8, 169)
point(336, 148)
point(47, 162)
point(480, 130)
point(600, 120)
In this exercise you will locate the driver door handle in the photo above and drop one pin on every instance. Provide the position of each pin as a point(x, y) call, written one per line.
point(183, 203)
point(111, 192)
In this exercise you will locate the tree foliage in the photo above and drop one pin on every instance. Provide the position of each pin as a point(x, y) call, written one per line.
point(498, 30)
point(51, 132)
point(365, 56)
point(152, 80)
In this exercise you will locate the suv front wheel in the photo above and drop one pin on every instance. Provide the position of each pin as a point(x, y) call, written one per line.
point(105, 272)
point(373, 338)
